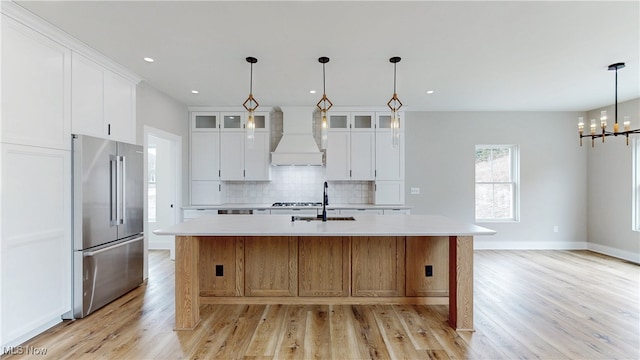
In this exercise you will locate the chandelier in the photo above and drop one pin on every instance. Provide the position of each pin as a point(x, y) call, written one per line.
point(251, 105)
point(395, 104)
point(593, 133)
point(324, 104)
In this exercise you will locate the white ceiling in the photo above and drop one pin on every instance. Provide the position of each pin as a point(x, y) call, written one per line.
point(475, 55)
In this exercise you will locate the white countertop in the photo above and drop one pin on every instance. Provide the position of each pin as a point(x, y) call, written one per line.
point(364, 225)
point(231, 206)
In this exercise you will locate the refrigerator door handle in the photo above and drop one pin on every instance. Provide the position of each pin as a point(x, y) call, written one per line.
point(123, 198)
point(94, 253)
point(113, 189)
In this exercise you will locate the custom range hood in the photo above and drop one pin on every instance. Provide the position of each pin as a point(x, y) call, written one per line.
point(297, 146)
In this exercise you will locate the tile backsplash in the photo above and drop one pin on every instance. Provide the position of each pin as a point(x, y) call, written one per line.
point(297, 183)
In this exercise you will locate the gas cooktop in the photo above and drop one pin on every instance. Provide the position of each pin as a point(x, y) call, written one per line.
point(295, 204)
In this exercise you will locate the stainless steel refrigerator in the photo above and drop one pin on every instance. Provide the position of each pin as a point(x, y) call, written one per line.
point(107, 221)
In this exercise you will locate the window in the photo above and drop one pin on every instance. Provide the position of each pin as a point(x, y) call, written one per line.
point(636, 184)
point(496, 182)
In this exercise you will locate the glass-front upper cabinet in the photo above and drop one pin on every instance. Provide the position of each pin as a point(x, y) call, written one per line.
point(362, 121)
point(351, 120)
point(261, 120)
point(337, 120)
point(384, 120)
point(232, 121)
point(204, 121)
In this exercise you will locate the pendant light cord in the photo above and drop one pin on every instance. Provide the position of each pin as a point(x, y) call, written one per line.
point(616, 109)
point(394, 77)
point(324, 88)
point(251, 84)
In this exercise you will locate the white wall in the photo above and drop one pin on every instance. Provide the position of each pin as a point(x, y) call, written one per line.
point(609, 218)
point(160, 111)
point(440, 156)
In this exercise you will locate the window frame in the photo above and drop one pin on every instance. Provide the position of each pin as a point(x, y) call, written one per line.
point(515, 182)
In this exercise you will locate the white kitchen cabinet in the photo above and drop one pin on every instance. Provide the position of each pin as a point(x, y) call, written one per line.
point(206, 192)
point(104, 103)
point(205, 121)
point(206, 188)
point(35, 173)
point(363, 154)
point(350, 146)
point(119, 108)
point(232, 121)
point(389, 183)
point(245, 159)
point(361, 211)
point(338, 156)
point(205, 168)
point(220, 151)
point(389, 192)
point(295, 212)
point(396, 211)
point(389, 159)
point(190, 214)
point(256, 157)
point(36, 239)
point(36, 88)
point(205, 158)
point(232, 155)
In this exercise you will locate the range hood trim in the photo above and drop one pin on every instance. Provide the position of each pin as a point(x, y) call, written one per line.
point(298, 145)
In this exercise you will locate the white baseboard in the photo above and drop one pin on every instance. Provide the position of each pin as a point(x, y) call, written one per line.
point(31, 333)
point(529, 245)
point(554, 245)
point(617, 253)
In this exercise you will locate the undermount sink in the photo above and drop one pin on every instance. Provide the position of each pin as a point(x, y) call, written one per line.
point(319, 218)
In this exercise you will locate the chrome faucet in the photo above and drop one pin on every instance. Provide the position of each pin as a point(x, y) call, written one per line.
point(325, 202)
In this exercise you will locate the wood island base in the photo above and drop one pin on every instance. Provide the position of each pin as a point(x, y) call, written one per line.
point(427, 270)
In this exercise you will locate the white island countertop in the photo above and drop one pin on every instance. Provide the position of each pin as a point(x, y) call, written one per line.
point(364, 225)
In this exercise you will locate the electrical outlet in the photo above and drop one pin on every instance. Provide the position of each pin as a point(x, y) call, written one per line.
point(555, 229)
point(219, 270)
point(428, 270)
point(415, 191)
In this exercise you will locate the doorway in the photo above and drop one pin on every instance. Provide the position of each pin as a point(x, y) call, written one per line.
point(163, 186)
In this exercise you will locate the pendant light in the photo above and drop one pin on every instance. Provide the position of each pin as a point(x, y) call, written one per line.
point(395, 104)
point(324, 105)
point(251, 105)
point(593, 134)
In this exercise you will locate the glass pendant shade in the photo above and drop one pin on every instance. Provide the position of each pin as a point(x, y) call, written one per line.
point(251, 129)
point(395, 129)
point(395, 104)
point(324, 105)
point(324, 130)
point(250, 104)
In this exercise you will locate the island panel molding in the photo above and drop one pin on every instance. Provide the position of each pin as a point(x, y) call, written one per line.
point(278, 261)
point(378, 264)
point(324, 266)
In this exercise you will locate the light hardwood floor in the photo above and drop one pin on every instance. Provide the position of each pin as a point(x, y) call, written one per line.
point(528, 304)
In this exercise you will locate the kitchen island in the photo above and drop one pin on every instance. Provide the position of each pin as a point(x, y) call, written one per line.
point(412, 259)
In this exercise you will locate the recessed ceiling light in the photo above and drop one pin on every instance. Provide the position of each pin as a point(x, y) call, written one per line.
point(148, 59)
point(430, 92)
point(312, 91)
point(195, 91)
